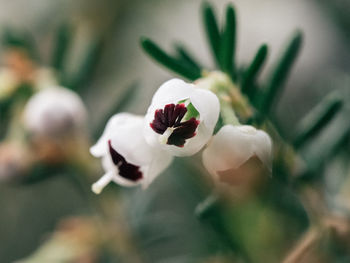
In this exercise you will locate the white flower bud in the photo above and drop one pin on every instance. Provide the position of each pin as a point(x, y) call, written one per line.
point(235, 150)
point(54, 112)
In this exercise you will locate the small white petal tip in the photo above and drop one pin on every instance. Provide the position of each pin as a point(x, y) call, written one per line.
point(96, 188)
point(102, 183)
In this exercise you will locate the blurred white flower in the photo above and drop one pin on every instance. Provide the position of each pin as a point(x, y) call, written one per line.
point(236, 147)
point(181, 118)
point(55, 111)
point(126, 157)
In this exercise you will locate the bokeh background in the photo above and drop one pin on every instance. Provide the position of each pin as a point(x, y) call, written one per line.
point(28, 214)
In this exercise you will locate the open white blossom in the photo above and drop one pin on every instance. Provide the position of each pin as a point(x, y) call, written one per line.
point(181, 118)
point(54, 112)
point(235, 146)
point(126, 157)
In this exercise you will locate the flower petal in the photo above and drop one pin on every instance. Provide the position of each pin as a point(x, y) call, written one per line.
point(263, 148)
point(125, 182)
point(101, 147)
point(157, 166)
point(232, 146)
point(208, 106)
point(129, 141)
point(173, 90)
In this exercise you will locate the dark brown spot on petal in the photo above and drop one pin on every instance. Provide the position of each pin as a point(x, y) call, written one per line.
point(126, 170)
point(171, 117)
point(184, 130)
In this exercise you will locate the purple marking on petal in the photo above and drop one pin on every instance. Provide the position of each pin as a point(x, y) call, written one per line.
point(126, 170)
point(171, 117)
point(184, 130)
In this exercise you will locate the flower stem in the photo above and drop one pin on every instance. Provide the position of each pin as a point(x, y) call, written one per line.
point(227, 113)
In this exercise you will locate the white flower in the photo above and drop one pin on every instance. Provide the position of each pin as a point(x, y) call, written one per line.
point(54, 112)
point(126, 157)
point(234, 147)
point(181, 118)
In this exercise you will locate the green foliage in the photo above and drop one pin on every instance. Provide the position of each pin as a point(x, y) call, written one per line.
point(87, 66)
point(222, 41)
point(228, 42)
point(317, 118)
point(22, 40)
point(62, 42)
point(187, 70)
point(186, 58)
point(251, 73)
point(41, 172)
point(326, 144)
point(213, 31)
point(280, 73)
point(7, 105)
point(5, 109)
point(162, 220)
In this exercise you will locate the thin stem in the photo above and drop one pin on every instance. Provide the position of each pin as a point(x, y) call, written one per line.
point(304, 247)
point(227, 113)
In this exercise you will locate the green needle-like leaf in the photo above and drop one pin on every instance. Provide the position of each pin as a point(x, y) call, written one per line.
point(171, 63)
point(318, 118)
point(62, 42)
point(213, 32)
point(228, 42)
point(22, 40)
point(327, 143)
point(123, 101)
point(187, 58)
point(253, 70)
point(87, 66)
point(5, 106)
point(281, 72)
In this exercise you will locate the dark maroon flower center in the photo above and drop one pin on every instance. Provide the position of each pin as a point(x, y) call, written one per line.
point(171, 117)
point(126, 170)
